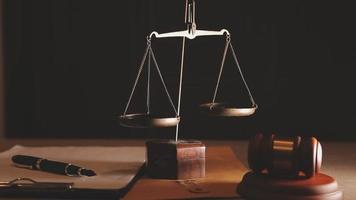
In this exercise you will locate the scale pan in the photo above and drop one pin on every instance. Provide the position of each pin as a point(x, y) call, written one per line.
point(144, 120)
point(224, 110)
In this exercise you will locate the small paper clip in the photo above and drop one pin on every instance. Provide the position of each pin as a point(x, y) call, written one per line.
point(32, 184)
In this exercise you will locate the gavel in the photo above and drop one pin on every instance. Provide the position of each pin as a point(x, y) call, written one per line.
point(285, 157)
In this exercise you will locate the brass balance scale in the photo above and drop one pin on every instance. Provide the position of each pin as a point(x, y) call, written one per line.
point(185, 160)
point(149, 120)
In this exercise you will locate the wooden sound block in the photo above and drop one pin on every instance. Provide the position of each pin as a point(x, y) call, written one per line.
point(169, 159)
point(263, 187)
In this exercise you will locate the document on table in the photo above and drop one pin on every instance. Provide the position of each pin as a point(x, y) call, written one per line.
point(115, 167)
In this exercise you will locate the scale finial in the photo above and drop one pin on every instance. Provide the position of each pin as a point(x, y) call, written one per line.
point(190, 16)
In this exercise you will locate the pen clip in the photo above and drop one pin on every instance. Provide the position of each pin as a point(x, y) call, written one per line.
point(23, 166)
point(32, 184)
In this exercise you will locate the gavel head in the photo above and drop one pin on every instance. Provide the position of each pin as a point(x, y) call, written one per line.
point(285, 157)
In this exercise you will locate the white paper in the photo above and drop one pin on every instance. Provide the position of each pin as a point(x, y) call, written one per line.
point(115, 166)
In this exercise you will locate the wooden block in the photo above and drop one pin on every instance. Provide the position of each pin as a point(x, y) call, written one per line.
point(168, 159)
point(263, 187)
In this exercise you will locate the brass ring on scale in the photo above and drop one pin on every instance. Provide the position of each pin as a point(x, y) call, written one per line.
point(144, 120)
point(225, 110)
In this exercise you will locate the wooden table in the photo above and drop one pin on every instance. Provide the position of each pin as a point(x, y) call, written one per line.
point(339, 158)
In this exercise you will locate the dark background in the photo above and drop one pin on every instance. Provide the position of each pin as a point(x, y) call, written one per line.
point(70, 66)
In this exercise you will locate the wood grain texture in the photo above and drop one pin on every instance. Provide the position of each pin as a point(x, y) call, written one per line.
point(168, 159)
point(223, 173)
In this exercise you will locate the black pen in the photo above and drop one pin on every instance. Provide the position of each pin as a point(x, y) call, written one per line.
point(42, 164)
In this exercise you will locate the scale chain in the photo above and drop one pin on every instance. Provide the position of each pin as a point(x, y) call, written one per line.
point(148, 83)
point(180, 83)
point(221, 70)
point(163, 83)
point(228, 44)
point(242, 76)
point(138, 76)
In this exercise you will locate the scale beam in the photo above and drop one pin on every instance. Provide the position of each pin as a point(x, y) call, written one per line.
point(192, 31)
point(188, 34)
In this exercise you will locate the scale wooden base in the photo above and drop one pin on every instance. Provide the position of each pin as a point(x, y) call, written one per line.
point(262, 187)
point(169, 159)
